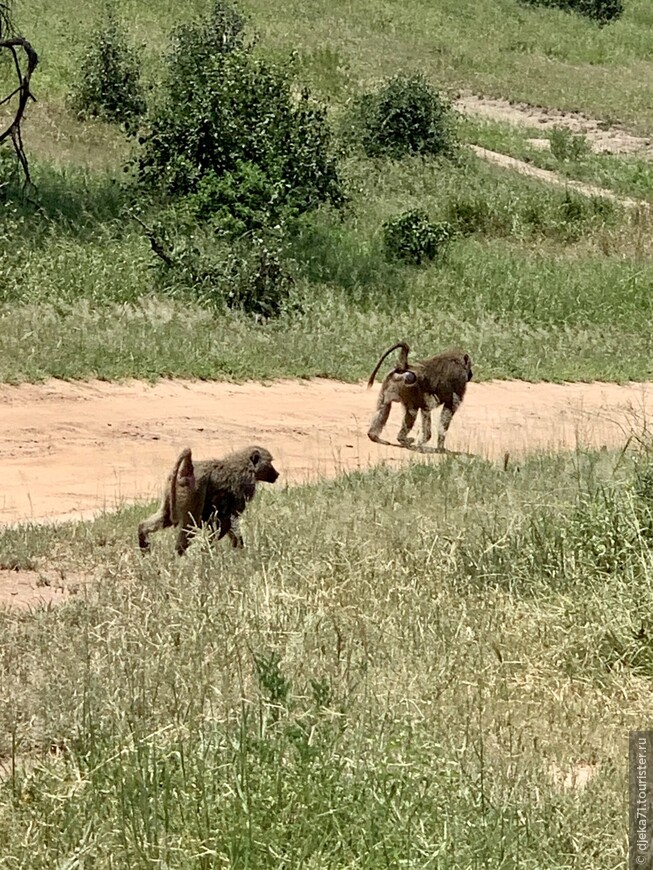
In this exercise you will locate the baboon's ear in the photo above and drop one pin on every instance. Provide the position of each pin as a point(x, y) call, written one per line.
point(255, 457)
point(466, 359)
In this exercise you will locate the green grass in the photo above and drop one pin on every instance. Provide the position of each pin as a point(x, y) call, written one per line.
point(399, 668)
point(627, 175)
point(80, 297)
point(496, 47)
point(544, 286)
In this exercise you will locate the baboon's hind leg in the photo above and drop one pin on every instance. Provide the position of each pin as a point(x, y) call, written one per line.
point(410, 415)
point(186, 533)
point(379, 420)
point(159, 520)
point(234, 532)
point(426, 425)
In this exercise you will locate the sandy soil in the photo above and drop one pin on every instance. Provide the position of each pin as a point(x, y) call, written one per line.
point(602, 137)
point(70, 450)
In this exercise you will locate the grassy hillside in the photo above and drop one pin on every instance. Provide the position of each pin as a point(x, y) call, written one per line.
point(544, 285)
point(414, 668)
point(496, 47)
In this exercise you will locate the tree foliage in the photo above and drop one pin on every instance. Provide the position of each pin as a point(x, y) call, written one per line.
point(109, 84)
point(404, 116)
point(230, 131)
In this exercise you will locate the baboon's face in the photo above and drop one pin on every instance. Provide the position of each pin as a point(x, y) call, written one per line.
point(467, 363)
point(263, 469)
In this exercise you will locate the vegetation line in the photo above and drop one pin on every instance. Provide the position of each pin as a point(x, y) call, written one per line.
point(550, 177)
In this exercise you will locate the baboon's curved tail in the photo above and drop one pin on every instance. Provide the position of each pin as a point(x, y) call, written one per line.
point(182, 475)
point(403, 360)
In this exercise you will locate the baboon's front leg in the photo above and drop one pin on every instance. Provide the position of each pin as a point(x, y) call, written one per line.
point(410, 415)
point(234, 532)
point(445, 419)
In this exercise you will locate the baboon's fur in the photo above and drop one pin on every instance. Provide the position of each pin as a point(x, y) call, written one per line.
point(421, 386)
point(212, 491)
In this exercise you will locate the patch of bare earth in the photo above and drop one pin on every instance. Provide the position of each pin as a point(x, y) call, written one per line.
point(21, 587)
point(602, 138)
point(550, 177)
point(72, 450)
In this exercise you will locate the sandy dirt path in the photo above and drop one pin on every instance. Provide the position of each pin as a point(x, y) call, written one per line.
point(554, 178)
point(601, 138)
point(69, 450)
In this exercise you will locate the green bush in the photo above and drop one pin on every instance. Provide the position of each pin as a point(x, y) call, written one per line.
point(249, 149)
point(109, 77)
point(249, 274)
point(412, 237)
point(602, 11)
point(406, 116)
point(244, 200)
point(565, 218)
point(566, 145)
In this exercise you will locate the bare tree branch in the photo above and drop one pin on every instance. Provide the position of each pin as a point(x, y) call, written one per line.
point(154, 241)
point(6, 21)
point(18, 47)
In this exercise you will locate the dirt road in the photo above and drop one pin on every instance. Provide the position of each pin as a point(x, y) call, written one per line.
point(69, 450)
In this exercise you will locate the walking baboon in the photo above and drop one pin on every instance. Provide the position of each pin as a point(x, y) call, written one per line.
point(421, 386)
point(212, 491)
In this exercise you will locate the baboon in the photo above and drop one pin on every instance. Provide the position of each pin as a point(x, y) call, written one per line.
point(421, 386)
point(211, 491)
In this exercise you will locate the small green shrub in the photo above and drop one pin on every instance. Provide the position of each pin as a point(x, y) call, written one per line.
point(564, 218)
point(566, 145)
point(602, 11)
point(475, 214)
point(248, 274)
point(245, 144)
point(109, 77)
point(412, 237)
point(406, 116)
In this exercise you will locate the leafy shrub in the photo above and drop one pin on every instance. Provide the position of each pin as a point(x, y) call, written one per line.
point(109, 77)
point(249, 274)
point(406, 116)
point(475, 214)
point(563, 218)
point(229, 131)
point(566, 145)
point(602, 11)
point(237, 202)
point(412, 237)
